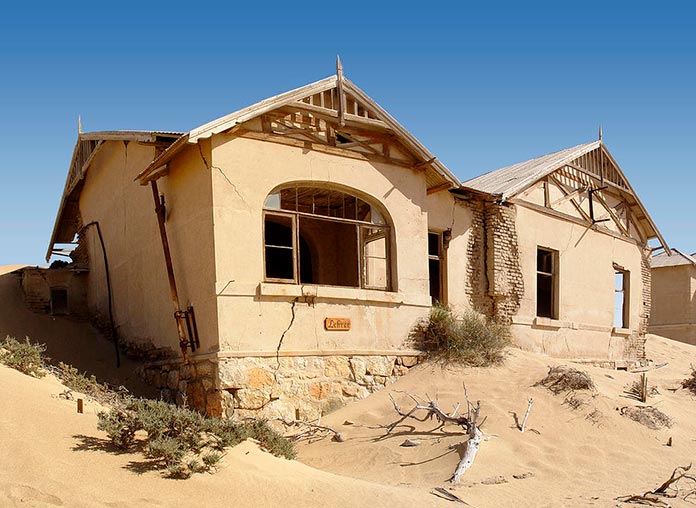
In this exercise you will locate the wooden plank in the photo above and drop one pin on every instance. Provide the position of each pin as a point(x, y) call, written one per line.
point(438, 188)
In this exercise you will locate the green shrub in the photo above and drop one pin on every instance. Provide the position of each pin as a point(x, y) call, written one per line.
point(182, 440)
point(24, 356)
point(469, 338)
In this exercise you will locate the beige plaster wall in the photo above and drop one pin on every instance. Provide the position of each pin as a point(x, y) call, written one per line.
point(584, 328)
point(253, 315)
point(143, 309)
point(674, 302)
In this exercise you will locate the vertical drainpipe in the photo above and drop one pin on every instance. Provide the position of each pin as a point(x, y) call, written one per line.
point(159, 210)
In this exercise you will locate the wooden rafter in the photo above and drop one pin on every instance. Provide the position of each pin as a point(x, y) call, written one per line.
point(612, 214)
point(566, 193)
point(570, 195)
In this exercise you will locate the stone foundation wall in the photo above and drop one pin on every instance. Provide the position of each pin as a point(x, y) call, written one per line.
point(194, 383)
point(303, 387)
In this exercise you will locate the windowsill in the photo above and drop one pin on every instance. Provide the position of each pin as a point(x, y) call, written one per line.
point(542, 322)
point(273, 289)
point(620, 331)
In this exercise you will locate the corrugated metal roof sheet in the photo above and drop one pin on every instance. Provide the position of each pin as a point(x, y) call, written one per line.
point(676, 259)
point(510, 180)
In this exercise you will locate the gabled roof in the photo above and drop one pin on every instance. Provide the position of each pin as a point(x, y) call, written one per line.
point(86, 148)
point(439, 172)
point(511, 180)
point(591, 158)
point(676, 258)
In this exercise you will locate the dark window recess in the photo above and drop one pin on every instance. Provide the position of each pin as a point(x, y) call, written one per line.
point(435, 267)
point(59, 301)
point(280, 257)
point(546, 283)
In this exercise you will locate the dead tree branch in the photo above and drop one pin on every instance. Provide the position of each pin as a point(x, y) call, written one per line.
point(310, 430)
point(431, 410)
point(669, 489)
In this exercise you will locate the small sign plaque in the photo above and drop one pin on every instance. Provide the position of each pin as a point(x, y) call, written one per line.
point(337, 324)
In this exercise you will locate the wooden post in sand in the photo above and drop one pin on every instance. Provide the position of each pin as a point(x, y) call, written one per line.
point(80, 406)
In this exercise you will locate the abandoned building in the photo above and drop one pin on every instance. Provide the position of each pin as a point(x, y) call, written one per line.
point(288, 248)
point(674, 296)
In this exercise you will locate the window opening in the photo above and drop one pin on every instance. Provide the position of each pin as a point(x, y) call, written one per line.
point(327, 236)
point(621, 312)
point(59, 301)
point(546, 283)
point(435, 264)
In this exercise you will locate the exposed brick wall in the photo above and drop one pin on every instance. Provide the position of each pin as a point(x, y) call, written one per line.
point(495, 284)
point(505, 281)
point(634, 347)
point(477, 282)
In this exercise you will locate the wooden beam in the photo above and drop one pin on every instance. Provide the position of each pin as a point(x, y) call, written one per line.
point(571, 218)
point(563, 189)
point(612, 214)
point(330, 114)
point(324, 148)
point(568, 196)
point(438, 188)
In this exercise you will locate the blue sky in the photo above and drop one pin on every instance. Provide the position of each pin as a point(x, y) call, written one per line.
point(482, 86)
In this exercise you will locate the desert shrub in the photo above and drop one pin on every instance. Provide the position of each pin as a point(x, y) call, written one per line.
point(182, 440)
point(649, 416)
point(562, 379)
point(690, 382)
point(81, 382)
point(468, 338)
point(26, 357)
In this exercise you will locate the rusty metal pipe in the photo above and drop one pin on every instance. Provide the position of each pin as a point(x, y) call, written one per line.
point(159, 210)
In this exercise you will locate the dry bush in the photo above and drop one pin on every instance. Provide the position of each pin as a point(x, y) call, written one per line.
point(636, 390)
point(566, 379)
point(690, 382)
point(470, 338)
point(25, 357)
point(574, 402)
point(649, 416)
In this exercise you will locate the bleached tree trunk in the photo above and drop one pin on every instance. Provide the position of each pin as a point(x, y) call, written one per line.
point(472, 448)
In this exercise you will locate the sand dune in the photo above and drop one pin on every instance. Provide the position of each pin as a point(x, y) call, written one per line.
point(582, 457)
point(52, 456)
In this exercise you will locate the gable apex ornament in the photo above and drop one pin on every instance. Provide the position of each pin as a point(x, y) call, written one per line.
point(341, 94)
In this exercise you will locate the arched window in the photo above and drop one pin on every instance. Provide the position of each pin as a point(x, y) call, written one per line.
point(325, 236)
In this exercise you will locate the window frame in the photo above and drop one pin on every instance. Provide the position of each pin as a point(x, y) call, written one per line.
point(295, 257)
point(554, 314)
point(360, 226)
point(440, 258)
point(626, 291)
